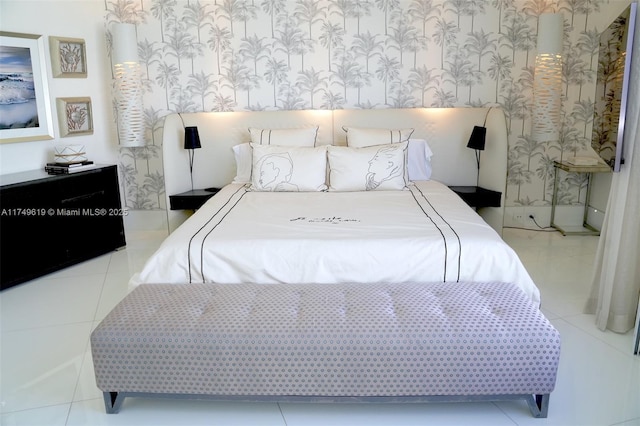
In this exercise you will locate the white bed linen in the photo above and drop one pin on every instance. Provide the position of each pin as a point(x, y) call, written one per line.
point(423, 234)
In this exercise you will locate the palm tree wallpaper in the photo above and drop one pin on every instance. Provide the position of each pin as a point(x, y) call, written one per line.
point(229, 55)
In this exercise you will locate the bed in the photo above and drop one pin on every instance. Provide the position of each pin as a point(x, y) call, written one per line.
point(322, 248)
point(425, 233)
point(419, 231)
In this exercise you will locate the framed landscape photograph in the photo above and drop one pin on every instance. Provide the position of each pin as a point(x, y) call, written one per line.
point(75, 116)
point(25, 109)
point(68, 57)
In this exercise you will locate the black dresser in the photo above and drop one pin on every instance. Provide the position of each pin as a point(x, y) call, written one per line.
point(49, 222)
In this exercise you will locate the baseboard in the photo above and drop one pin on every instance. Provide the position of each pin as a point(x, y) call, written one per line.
point(520, 216)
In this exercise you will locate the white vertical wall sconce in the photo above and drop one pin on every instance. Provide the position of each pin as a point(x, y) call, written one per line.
point(128, 85)
point(547, 83)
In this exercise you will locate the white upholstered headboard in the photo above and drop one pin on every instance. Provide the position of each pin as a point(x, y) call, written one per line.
point(447, 131)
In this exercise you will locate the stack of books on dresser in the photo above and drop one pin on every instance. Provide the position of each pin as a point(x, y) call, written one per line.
point(64, 168)
point(68, 159)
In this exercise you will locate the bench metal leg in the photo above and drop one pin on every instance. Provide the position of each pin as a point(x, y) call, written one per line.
point(113, 401)
point(539, 405)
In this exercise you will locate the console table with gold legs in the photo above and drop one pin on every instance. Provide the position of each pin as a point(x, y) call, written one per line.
point(585, 229)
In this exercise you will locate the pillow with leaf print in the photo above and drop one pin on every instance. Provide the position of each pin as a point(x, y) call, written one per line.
point(288, 169)
point(372, 168)
point(305, 136)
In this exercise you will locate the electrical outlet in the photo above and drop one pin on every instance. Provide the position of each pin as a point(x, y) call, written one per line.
point(514, 216)
point(537, 217)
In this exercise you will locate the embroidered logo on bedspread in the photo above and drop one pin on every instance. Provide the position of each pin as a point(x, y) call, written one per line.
point(334, 220)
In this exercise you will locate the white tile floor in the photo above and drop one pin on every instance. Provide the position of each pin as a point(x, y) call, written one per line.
point(47, 376)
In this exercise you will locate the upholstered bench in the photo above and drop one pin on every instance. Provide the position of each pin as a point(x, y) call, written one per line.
point(327, 343)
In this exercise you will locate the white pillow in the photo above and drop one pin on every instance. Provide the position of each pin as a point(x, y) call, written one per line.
point(419, 160)
point(244, 158)
point(358, 137)
point(285, 137)
point(282, 168)
point(380, 167)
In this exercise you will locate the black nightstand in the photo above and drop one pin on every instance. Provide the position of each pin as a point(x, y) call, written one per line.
point(191, 200)
point(478, 197)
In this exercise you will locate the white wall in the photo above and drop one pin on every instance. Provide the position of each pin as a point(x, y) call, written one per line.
point(75, 19)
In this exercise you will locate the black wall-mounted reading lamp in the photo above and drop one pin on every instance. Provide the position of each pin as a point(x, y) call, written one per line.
point(191, 142)
point(477, 141)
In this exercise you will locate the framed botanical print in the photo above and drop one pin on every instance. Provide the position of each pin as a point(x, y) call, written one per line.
point(75, 116)
point(68, 57)
point(25, 108)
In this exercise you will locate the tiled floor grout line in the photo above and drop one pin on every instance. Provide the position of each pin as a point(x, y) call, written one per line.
point(88, 340)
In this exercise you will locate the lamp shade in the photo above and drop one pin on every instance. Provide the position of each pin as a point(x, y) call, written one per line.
point(191, 138)
point(125, 43)
point(547, 83)
point(128, 85)
point(550, 30)
point(478, 138)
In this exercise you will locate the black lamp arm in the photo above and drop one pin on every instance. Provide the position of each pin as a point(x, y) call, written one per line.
point(486, 116)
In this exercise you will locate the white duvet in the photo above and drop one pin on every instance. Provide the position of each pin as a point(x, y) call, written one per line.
point(423, 234)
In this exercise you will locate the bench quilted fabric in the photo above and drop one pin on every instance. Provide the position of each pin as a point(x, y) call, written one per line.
point(326, 340)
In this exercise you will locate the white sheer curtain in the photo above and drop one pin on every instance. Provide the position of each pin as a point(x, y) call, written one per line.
point(616, 282)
